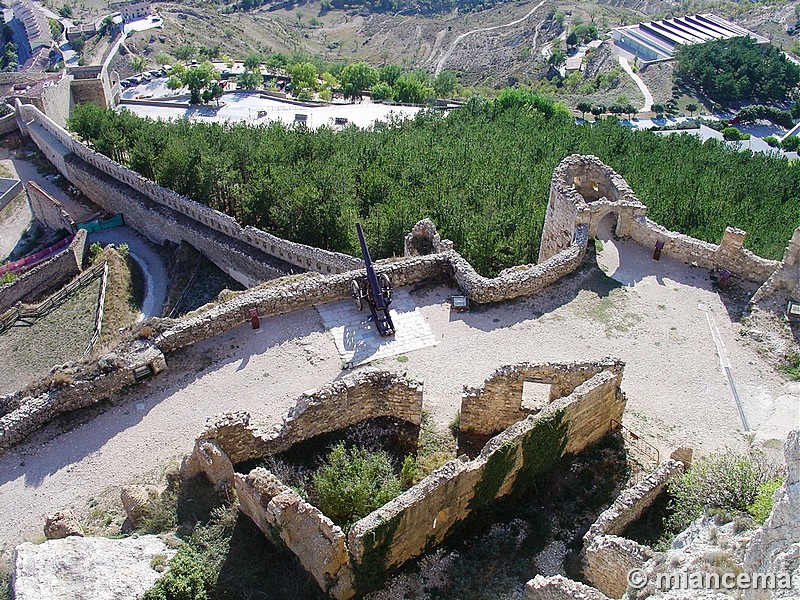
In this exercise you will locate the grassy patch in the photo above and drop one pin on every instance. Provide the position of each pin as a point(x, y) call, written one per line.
point(791, 366)
point(29, 351)
point(120, 308)
point(762, 505)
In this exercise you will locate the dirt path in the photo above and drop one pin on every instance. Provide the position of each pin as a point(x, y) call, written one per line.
point(644, 312)
point(455, 42)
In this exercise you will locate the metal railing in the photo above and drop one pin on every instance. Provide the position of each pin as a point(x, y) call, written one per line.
point(101, 301)
point(639, 445)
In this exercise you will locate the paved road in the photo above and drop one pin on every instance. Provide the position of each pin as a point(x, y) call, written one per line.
point(151, 263)
point(648, 97)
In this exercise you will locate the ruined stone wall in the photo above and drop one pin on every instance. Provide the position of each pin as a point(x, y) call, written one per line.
point(583, 191)
point(775, 548)
point(497, 404)
point(278, 511)
point(729, 254)
point(46, 277)
point(26, 410)
point(423, 515)
point(294, 293)
point(607, 558)
point(8, 124)
point(786, 277)
point(53, 140)
point(558, 587)
point(522, 280)
point(364, 394)
point(47, 210)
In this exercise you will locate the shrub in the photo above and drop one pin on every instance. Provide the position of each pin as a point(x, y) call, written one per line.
point(7, 277)
point(409, 473)
point(183, 581)
point(726, 482)
point(354, 482)
point(731, 134)
point(791, 366)
point(94, 251)
point(762, 505)
point(159, 515)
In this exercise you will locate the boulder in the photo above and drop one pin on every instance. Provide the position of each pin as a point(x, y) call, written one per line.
point(61, 525)
point(88, 568)
point(135, 499)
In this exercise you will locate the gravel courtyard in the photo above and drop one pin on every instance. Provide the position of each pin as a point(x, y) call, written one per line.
point(656, 316)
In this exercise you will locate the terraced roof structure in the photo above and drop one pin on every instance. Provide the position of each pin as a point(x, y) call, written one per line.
point(658, 40)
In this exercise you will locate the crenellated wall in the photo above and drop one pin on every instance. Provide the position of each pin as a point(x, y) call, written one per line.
point(118, 189)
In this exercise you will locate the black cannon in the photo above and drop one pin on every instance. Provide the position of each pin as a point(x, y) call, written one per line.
point(375, 289)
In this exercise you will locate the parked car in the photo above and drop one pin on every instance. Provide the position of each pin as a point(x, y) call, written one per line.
point(156, 73)
point(147, 77)
point(134, 80)
point(125, 83)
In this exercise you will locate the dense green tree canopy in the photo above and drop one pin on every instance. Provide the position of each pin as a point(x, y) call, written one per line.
point(482, 174)
point(737, 69)
point(356, 78)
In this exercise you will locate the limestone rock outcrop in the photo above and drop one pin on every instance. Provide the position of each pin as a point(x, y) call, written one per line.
point(60, 525)
point(87, 568)
point(775, 548)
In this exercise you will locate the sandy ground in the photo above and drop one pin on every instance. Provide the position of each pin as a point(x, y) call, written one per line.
point(655, 317)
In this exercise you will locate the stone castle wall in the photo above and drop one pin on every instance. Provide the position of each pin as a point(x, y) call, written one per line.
point(56, 142)
point(45, 278)
point(47, 210)
point(497, 404)
point(279, 511)
point(25, 411)
point(607, 557)
point(364, 394)
point(583, 191)
point(423, 515)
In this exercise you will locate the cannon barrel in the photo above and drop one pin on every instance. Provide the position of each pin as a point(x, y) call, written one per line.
point(372, 278)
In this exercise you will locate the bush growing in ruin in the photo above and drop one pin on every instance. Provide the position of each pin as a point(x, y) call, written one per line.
point(353, 482)
point(725, 482)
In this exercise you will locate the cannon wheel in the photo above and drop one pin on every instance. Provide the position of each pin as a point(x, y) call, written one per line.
point(357, 295)
point(386, 287)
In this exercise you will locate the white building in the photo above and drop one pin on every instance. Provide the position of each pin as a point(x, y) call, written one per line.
point(658, 40)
